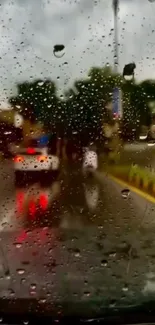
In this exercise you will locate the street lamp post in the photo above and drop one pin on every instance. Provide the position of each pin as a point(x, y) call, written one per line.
point(117, 101)
point(115, 9)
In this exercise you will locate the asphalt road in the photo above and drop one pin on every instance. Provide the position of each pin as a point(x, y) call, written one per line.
point(77, 240)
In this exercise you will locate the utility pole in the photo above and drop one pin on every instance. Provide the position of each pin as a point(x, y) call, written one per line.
point(117, 95)
point(115, 9)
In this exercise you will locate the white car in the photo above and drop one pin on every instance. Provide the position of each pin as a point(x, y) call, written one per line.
point(35, 162)
point(90, 161)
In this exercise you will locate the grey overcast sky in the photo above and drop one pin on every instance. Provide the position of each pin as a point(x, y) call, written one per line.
point(30, 28)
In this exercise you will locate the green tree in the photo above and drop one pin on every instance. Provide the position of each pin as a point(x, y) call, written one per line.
point(141, 95)
point(38, 101)
point(86, 104)
point(84, 108)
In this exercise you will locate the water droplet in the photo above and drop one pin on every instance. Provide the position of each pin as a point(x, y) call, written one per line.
point(40, 83)
point(125, 288)
point(87, 293)
point(112, 254)
point(104, 263)
point(20, 271)
point(7, 276)
point(151, 144)
point(58, 48)
point(23, 280)
point(42, 301)
point(125, 193)
point(77, 254)
point(18, 245)
point(32, 292)
point(112, 303)
point(33, 286)
point(143, 137)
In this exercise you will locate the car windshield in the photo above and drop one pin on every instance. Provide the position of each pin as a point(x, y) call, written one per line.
point(77, 157)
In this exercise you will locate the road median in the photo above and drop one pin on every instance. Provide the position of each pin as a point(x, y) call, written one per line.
point(139, 177)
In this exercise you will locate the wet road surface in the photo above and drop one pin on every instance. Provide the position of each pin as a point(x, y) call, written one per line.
point(76, 240)
point(71, 202)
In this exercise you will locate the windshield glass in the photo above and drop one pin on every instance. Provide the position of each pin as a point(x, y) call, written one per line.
point(77, 155)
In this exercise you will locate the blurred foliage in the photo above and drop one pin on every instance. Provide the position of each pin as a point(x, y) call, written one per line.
point(84, 108)
point(38, 101)
point(7, 116)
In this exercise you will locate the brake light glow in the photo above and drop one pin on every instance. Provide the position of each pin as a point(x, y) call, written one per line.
point(43, 202)
point(32, 208)
point(30, 151)
point(20, 202)
point(42, 158)
point(22, 237)
point(18, 159)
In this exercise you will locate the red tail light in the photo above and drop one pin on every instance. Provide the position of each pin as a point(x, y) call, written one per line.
point(43, 202)
point(21, 237)
point(20, 202)
point(32, 208)
point(31, 151)
point(19, 159)
point(42, 158)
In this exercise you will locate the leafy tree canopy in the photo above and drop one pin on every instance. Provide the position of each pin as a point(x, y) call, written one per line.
point(84, 108)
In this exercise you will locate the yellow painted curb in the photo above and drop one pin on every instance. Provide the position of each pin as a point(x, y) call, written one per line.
point(133, 189)
point(139, 178)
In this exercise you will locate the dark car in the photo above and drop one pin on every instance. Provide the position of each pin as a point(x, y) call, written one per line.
point(9, 134)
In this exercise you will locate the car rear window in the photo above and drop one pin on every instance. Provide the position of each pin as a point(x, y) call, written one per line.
point(32, 148)
point(30, 151)
point(33, 143)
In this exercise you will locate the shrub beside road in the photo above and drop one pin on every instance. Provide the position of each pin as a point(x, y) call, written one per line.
point(134, 175)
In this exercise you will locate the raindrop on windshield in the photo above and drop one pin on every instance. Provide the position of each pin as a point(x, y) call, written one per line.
point(77, 253)
point(112, 303)
point(20, 271)
point(42, 301)
point(58, 50)
point(143, 137)
point(104, 263)
point(86, 293)
point(40, 83)
point(125, 288)
point(125, 193)
point(151, 144)
point(18, 245)
point(33, 286)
